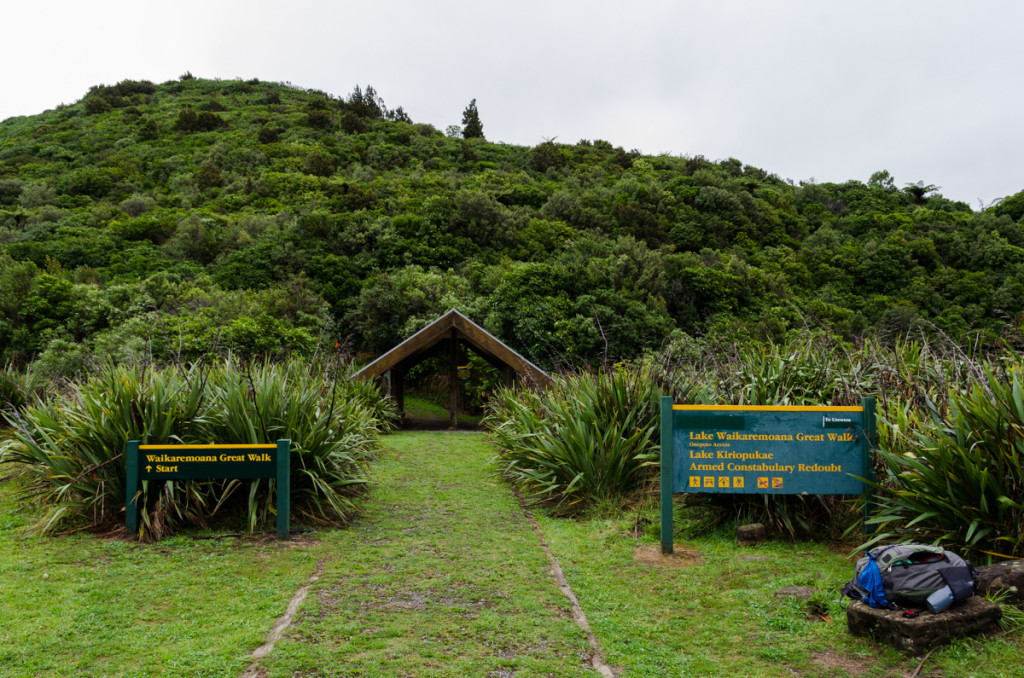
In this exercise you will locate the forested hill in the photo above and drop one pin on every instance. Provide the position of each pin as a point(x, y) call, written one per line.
point(194, 217)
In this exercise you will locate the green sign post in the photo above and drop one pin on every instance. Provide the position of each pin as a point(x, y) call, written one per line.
point(740, 449)
point(206, 462)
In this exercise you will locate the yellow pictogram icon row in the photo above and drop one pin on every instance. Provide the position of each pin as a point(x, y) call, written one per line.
point(726, 482)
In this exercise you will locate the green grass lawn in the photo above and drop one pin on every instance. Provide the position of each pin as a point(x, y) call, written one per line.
point(422, 408)
point(444, 576)
point(88, 606)
point(440, 575)
point(722, 617)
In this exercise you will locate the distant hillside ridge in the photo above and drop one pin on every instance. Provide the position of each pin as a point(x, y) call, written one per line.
point(193, 218)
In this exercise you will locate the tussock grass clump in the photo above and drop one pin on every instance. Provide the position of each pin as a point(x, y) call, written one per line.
point(384, 410)
point(69, 448)
point(806, 371)
point(908, 378)
point(17, 387)
point(956, 475)
point(802, 372)
point(590, 437)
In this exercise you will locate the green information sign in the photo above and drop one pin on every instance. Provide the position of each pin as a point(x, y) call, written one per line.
point(742, 449)
point(207, 462)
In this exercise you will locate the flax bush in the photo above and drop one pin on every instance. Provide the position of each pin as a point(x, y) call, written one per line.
point(333, 433)
point(69, 448)
point(589, 437)
point(810, 370)
point(17, 387)
point(956, 474)
point(806, 371)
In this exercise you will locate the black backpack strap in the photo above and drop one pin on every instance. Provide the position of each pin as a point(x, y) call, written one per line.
point(961, 581)
point(854, 591)
point(851, 590)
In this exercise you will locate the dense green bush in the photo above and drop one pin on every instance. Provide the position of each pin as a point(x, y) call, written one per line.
point(319, 119)
point(187, 120)
point(545, 156)
point(69, 448)
point(209, 176)
point(318, 164)
point(630, 247)
point(268, 135)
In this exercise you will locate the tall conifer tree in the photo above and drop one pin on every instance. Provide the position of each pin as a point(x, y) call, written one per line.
point(472, 128)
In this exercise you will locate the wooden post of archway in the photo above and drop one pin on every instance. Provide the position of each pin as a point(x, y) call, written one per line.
point(398, 388)
point(453, 379)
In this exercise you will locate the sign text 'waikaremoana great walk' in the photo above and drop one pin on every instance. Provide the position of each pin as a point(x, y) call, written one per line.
point(744, 449)
point(207, 462)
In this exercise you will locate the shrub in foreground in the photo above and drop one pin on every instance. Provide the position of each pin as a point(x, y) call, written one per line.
point(70, 448)
point(587, 438)
point(958, 477)
point(804, 371)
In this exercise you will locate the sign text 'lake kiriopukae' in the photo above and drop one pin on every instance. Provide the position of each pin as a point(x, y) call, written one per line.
point(743, 449)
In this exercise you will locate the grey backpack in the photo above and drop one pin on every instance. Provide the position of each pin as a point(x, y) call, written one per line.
point(912, 572)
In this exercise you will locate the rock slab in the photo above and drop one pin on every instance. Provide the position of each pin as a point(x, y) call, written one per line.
point(926, 630)
point(752, 534)
point(801, 593)
point(1003, 578)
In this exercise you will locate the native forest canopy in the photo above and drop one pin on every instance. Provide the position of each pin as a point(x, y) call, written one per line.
point(194, 218)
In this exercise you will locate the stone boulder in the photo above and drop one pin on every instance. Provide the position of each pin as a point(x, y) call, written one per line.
point(1003, 578)
point(801, 593)
point(752, 534)
point(926, 630)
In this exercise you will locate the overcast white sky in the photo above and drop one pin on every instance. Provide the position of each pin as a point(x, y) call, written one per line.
point(927, 89)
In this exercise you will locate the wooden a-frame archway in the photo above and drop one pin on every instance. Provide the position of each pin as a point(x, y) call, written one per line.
point(447, 335)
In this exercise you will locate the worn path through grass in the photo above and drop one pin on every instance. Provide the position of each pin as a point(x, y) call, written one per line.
point(441, 576)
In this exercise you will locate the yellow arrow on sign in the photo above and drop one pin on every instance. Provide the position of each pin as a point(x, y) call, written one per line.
point(148, 468)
